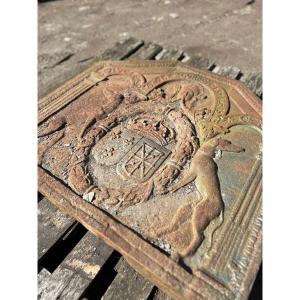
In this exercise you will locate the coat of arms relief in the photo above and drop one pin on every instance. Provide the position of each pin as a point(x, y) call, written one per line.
point(166, 155)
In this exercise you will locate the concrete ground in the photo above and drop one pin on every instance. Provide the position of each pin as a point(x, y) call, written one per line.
point(227, 31)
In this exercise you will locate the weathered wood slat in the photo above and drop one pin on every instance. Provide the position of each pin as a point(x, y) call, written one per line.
point(199, 62)
point(42, 276)
point(52, 224)
point(228, 71)
point(88, 256)
point(51, 286)
point(159, 295)
point(128, 284)
point(148, 51)
point(74, 289)
point(122, 49)
point(77, 270)
point(65, 74)
point(169, 54)
point(47, 61)
point(254, 82)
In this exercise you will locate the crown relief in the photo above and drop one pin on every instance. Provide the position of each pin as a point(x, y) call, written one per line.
point(152, 128)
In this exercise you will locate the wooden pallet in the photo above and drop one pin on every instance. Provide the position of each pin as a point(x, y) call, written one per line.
point(74, 264)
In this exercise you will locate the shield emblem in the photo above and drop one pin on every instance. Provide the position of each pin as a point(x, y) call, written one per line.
point(142, 160)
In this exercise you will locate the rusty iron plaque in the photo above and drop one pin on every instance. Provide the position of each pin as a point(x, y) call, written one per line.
point(163, 162)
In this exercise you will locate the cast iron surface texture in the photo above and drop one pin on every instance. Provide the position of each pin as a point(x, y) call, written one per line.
point(133, 139)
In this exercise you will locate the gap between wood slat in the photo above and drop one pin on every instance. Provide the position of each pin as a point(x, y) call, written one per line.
point(59, 251)
point(103, 279)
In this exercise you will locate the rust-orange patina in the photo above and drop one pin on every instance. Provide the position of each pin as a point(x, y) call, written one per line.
point(163, 162)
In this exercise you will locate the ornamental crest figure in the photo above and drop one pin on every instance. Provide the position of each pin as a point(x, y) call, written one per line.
point(163, 162)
